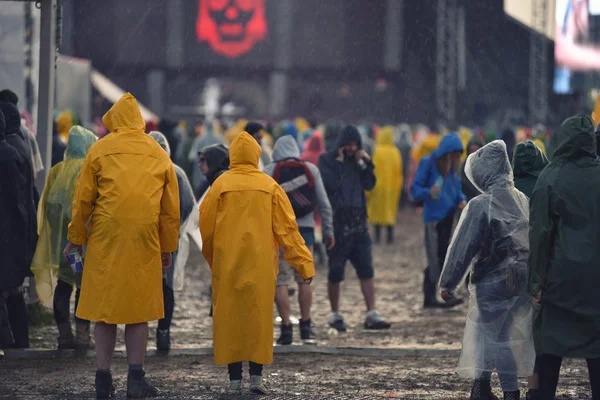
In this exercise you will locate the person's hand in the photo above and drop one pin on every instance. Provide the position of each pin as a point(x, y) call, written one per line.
point(434, 191)
point(69, 249)
point(167, 260)
point(330, 242)
point(340, 153)
point(462, 205)
point(446, 295)
point(362, 155)
point(308, 281)
point(538, 298)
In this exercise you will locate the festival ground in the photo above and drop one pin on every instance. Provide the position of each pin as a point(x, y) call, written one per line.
point(399, 271)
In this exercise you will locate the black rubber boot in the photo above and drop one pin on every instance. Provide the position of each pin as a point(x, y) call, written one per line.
point(512, 395)
point(138, 387)
point(163, 340)
point(19, 320)
point(104, 385)
point(482, 390)
point(287, 335)
point(306, 331)
point(533, 394)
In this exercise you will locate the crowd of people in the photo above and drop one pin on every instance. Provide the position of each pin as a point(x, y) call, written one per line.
point(265, 198)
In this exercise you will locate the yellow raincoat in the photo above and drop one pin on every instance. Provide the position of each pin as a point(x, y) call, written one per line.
point(64, 122)
point(54, 215)
point(385, 196)
point(242, 218)
point(128, 187)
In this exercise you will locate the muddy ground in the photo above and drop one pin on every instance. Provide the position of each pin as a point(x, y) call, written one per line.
point(399, 270)
point(290, 377)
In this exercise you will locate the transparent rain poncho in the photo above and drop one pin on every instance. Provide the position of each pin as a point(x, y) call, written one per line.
point(175, 276)
point(491, 242)
point(54, 216)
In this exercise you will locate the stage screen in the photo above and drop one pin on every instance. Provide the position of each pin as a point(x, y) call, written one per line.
point(576, 44)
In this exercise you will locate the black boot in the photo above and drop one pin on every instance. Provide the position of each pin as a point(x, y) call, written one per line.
point(287, 335)
point(104, 385)
point(6, 337)
point(482, 390)
point(512, 395)
point(390, 234)
point(533, 394)
point(19, 320)
point(377, 234)
point(163, 340)
point(306, 330)
point(138, 387)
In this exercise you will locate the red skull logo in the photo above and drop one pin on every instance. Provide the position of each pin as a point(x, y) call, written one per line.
point(231, 27)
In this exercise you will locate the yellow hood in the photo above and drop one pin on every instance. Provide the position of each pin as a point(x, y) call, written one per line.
point(386, 136)
point(244, 150)
point(124, 116)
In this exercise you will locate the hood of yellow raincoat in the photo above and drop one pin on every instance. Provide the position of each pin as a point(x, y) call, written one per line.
point(80, 140)
point(244, 151)
point(124, 116)
point(64, 122)
point(386, 136)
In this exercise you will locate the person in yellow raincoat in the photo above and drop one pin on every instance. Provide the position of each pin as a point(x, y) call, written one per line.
point(127, 190)
point(384, 199)
point(53, 274)
point(64, 122)
point(243, 218)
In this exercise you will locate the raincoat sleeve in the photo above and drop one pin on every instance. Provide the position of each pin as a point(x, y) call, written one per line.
point(287, 235)
point(541, 230)
point(186, 197)
point(323, 204)
point(42, 204)
point(420, 189)
point(168, 222)
point(332, 174)
point(466, 243)
point(207, 222)
point(86, 192)
point(367, 176)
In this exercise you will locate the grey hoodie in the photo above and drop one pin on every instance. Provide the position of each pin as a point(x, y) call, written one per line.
point(286, 147)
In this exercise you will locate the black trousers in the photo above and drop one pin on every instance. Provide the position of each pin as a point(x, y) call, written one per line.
point(62, 303)
point(235, 370)
point(390, 233)
point(169, 302)
point(548, 366)
point(18, 318)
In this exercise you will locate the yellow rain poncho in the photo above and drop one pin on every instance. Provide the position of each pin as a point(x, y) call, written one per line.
point(64, 122)
point(385, 197)
point(242, 218)
point(128, 187)
point(54, 215)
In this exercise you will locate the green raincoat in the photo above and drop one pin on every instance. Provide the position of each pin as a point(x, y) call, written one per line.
point(564, 257)
point(54, 215)
point(467, 187)
point(528, 163)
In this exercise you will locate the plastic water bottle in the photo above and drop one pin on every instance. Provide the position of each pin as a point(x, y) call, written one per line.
point(439, 182)
point(76, 261)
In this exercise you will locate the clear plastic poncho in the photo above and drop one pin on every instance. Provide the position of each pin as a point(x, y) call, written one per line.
point(491, 242)
point(54, 216)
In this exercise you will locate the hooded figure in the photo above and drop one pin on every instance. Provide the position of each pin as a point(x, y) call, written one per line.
point(134, 218)
point(13, 137)
point(58, 146)
point(13, 222)
point(54, 217)
point(217, 161)
point(64, 122)
point(173, 278)
point(384, 199)
point(491, 241)
point(313, 148)
point(290, 129)
point(243, 218)
point(468, 188)
point(564, 254)
point(437, 185)
point(55, 278)
point(528, 163)
point(208, 138)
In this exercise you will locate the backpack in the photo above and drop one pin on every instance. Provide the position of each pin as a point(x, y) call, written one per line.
point(297, 181)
